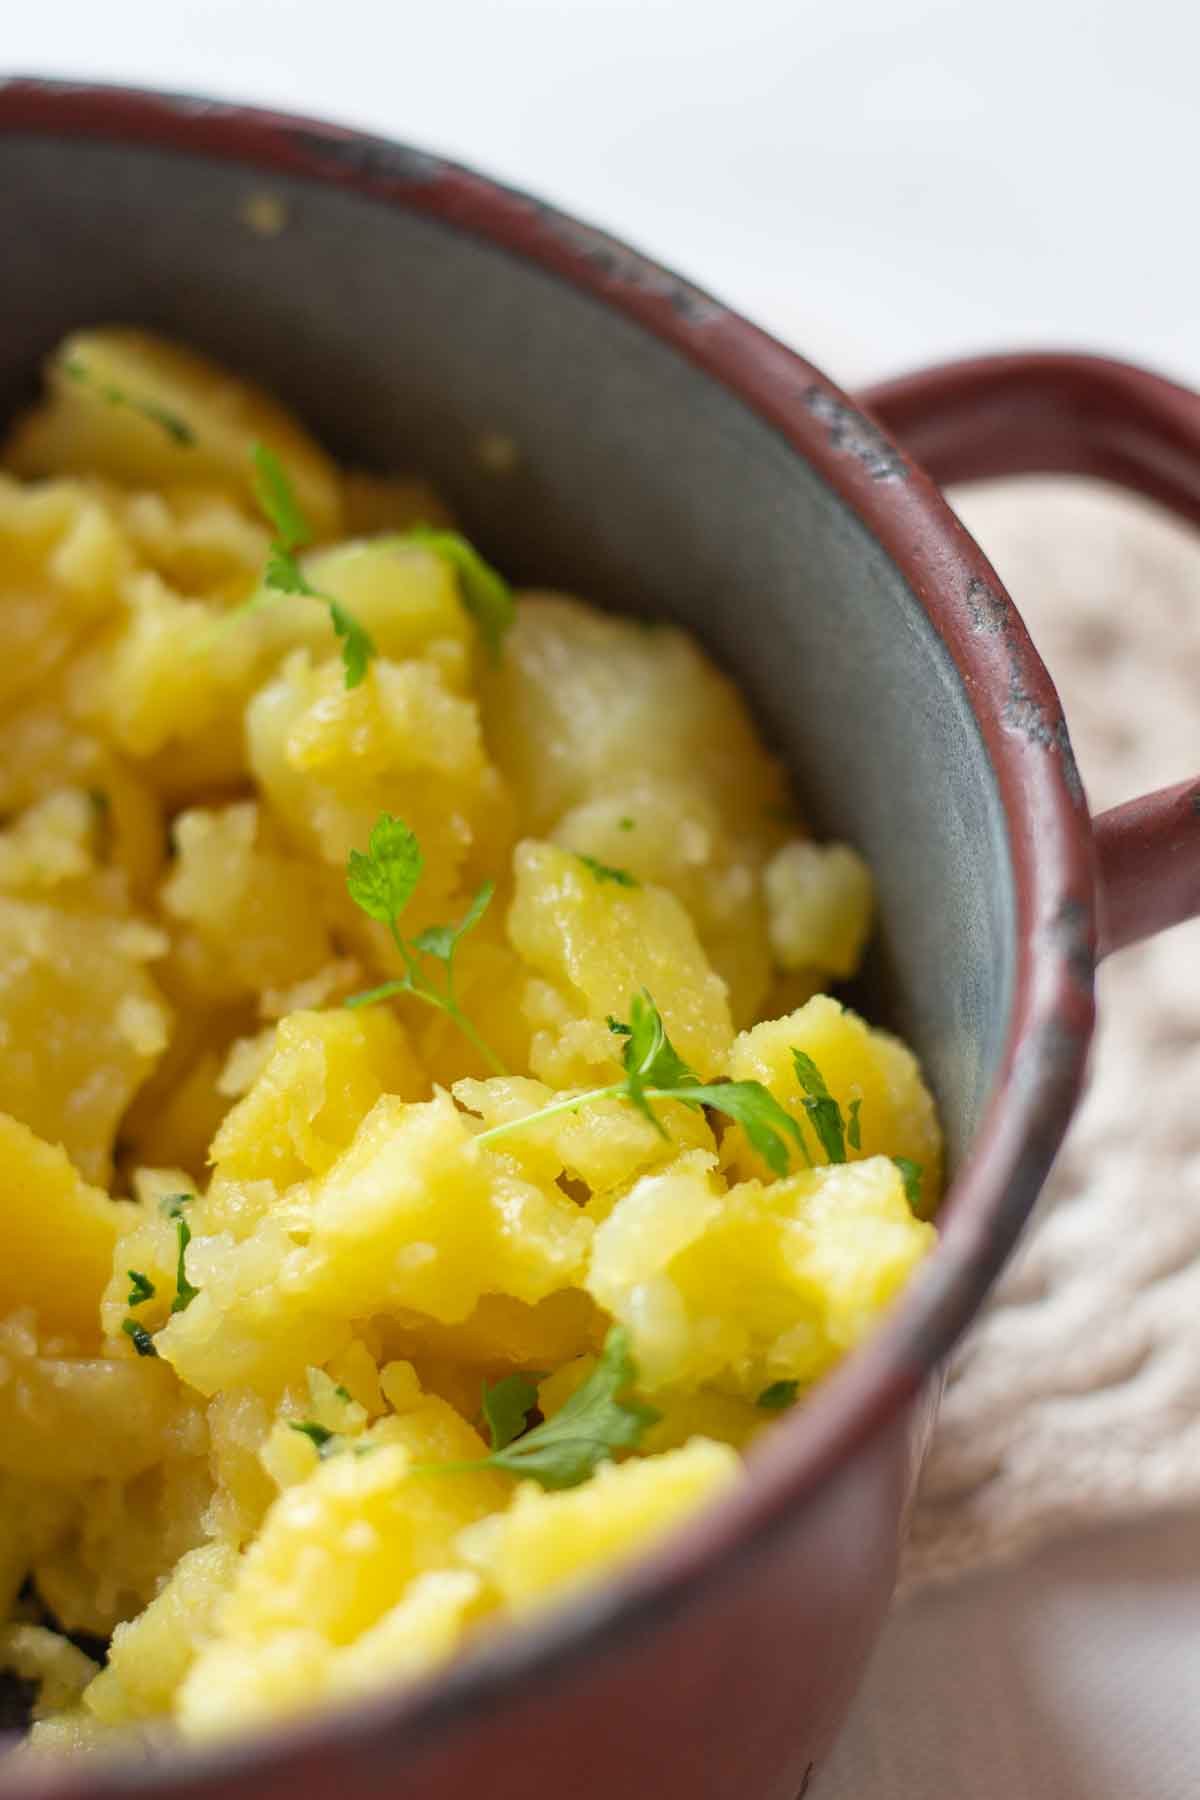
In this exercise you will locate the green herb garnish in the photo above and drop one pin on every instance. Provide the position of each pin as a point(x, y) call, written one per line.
point(319, 1436)
point(606, 872)
point(171, 1205)
point(854, 1127)
point(141, 1288)
point(654, 1070)
point(143, 1343)
point(825, 1115)
point(596, 1421)
point(283, 573)
point(381, 882)
point(910, 1174)
point(506, 1408)
point(779, 1395)
point(185, 1293)
point(177, 429)
point(625, 824)
point(485, 593)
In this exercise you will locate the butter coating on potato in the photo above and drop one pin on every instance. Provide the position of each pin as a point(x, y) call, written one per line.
point(430, 1155)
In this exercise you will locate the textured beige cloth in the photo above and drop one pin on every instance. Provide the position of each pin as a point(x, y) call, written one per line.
point(1076, 1397)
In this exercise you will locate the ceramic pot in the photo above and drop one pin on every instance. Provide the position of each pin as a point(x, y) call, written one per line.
point(661, 455)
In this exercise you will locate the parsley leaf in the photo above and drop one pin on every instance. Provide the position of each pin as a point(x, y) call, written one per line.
point(910, 1174)
point(141, 1288)
point(507, 1406)
point(779, 1395)
point(485, 593)
point(596, 1421)
point(176, 428)
point(381, 882)
point(853, 1127)
point(649, 1054)
point(767, 1125)
point(143, 1343)
point(605, 871)
point(171, 1205)
point(825, 1115)
point(283, 573)
point(625, 824)
point(185, 1293)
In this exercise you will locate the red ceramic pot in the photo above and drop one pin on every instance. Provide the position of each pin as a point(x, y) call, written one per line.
point(670, 456)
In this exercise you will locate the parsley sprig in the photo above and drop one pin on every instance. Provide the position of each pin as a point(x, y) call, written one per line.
point(606, 872)
point(283, 574)
point(654, 1070)
point(598, 1420)
point(381, 882)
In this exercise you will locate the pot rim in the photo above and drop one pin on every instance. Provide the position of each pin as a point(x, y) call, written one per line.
point(1020, 721)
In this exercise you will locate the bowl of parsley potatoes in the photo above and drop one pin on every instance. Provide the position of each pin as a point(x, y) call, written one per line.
point(513, 915)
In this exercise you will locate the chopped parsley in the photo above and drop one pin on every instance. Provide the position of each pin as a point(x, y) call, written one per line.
point(142, 1342)
point(606, 872)
point(141, 1288)
point(185, 1293)
point(319, 1436)
point(381, 881)
point(779, 1395)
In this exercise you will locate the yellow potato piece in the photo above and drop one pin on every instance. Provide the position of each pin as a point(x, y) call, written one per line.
point(81, 429)
point(82, 1022)
point(56, 1235)
point(756, 1284)
point(896, 1111)
point(325, 1072)
point(600, 942)
point(549, 1544)
point(149, 1657)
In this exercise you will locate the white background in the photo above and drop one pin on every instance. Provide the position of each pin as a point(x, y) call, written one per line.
point(882, 184)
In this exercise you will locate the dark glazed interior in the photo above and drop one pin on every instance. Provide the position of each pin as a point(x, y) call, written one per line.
point(640, 482)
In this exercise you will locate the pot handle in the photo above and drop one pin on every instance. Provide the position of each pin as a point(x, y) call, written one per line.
point(1054, 413)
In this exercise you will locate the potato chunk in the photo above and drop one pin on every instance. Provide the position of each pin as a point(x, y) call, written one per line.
point(82, 429)
point(819, 904)
point(323, 1076)
point(548, 1544)
point(598, 942)
point(757, 1284)
point(56, 1235)
point(254, 912)
point(896, 1111)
